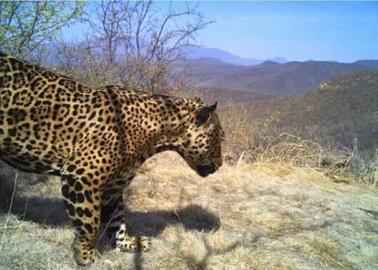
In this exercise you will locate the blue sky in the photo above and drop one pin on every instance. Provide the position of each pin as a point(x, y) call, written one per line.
point(338, 31)
point(342, 31)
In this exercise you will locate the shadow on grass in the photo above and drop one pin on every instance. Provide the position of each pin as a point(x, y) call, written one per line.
point(51, 212)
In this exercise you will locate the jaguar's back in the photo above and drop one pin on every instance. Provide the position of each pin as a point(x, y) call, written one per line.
point(41, 114)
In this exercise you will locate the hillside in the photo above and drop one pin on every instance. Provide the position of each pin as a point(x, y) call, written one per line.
point(341, 109)
point(269, 78)
point(262, 216)
point(211, 94)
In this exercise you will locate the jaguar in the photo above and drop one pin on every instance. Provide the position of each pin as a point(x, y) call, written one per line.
point(95, 140)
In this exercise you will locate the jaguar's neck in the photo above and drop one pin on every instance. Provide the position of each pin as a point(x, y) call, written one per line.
point(161, 120)
point(172, 118)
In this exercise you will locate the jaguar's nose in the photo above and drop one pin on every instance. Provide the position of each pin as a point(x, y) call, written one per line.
point(205, 170)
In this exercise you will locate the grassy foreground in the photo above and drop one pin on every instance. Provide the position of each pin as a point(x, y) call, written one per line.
point(260, 216)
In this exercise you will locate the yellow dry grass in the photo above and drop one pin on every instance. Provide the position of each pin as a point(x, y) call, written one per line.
point(261, 216)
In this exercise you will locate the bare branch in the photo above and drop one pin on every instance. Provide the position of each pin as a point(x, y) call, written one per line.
point(135, 42)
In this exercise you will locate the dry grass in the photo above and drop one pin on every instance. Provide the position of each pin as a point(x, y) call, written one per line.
point(257, 139)
point(261, 216)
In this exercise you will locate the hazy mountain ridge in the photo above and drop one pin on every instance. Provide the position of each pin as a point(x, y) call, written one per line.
point(368, 63)
point(269, 78)
point(193, 52)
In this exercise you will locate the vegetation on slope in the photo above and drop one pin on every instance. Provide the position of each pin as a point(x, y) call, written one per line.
point(333, 128)
point(340, 110)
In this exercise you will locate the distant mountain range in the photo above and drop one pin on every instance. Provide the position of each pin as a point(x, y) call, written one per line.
point(373, 64)
point(193, 52)
point(327, 102)
point(269, 77)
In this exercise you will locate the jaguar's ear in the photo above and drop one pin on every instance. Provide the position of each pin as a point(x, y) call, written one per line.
point(213, 107)
point(204, 113)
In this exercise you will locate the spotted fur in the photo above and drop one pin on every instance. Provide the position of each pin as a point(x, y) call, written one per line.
point(95, 140)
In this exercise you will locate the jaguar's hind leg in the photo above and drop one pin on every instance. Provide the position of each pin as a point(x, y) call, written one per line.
point(114, 216)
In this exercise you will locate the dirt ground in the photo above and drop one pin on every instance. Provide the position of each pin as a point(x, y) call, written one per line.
point(261, 216)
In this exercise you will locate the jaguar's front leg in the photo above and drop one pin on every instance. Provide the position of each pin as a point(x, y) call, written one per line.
point(114, 217)
point(82, 190)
